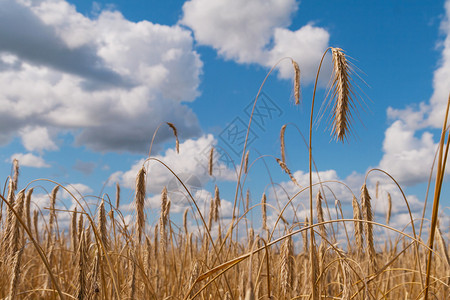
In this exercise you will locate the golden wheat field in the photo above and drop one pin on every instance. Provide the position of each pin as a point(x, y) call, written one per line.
point(101, 256)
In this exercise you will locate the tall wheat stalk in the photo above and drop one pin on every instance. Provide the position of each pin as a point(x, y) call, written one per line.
point(441, 164)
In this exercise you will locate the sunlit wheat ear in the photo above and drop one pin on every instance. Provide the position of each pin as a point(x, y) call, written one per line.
point(287, 171)
point(368, 227)
point(52, 212)
point(164, 216)
point(102, 225)
point(74, 231)
point(140, 201)
point(175, 133)
point(133, 281)
point(341, 95)
point(358, 225)
point(296, 82)
point(196, 268)
point(27, 213)
point(9, 213)
point(15, 173)
point(442, 247)
point(283, 150)
point(320, 217)
point(264, 211)
point(287, 265)
point(305, 236)
point(80, 227)
point(14, 234)
point(35, 225)
point(388, 214)
point(15, 275)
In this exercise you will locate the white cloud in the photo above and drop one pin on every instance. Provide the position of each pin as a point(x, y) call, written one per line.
point(191, 165)
point(108, 81)
point(407, 158)
point(305, 45)
point(30, 160)
point(37, 139)
point(441, 80)
point(408, 152)
point(343, 190)
point(255, 32)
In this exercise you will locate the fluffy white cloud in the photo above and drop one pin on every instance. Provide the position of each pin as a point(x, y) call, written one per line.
point(190, 165)
point(441, 80)
point(107, 80)
point(255, 32)
point(30, 160)
point(408, 153)
point(407, 158)
point(37, 139)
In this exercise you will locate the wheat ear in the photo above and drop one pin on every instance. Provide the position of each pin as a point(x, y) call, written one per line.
point(296, 82)
point(368, 227)
point(211, 161)
point(264, 211)
point(140, 200)
point(175, 133)
point(342, 94)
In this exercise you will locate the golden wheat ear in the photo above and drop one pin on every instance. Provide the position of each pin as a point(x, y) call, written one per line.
point(175, 133)
point(297, 94)
point(341, 96)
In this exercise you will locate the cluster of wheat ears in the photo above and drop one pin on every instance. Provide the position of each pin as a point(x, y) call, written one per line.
point(101, 257)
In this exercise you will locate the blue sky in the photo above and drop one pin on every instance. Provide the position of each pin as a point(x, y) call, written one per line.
point(85, 84)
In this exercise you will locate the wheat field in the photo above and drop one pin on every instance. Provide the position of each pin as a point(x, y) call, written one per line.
point(102, 256)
